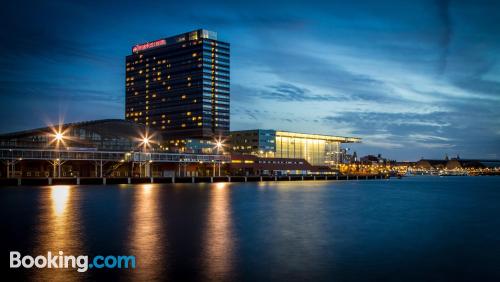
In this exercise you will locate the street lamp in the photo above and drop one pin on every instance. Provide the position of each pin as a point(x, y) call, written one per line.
point(58, 139)
point(219, 144)
point(145, 140)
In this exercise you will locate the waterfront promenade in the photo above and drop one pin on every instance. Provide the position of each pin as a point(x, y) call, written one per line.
point(193, 179)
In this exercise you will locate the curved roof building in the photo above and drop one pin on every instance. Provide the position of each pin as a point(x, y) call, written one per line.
point(102, 135)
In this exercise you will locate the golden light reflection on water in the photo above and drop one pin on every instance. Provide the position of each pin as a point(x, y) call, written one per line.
point(146, 234)
point(59, 196)
point(59, 229)
point(218, 240)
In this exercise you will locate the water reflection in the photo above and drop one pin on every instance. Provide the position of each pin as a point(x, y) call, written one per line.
point(59, 196)
point(218, 243)
point(59, 229)
point(146, 235)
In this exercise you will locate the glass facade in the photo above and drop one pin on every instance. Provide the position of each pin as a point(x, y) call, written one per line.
point(318, 150)
point(313, 150)
point(180, 86)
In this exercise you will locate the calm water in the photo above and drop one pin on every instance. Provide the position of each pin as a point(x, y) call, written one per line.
point(414, 229)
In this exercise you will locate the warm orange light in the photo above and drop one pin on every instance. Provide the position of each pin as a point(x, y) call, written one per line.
point(219, 144)
point(145, 139)
point(59, 135)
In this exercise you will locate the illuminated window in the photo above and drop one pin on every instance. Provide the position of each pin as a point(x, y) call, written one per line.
point(183, 97)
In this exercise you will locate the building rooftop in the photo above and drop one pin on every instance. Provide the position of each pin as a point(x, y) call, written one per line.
point(183, 37)
point(319, 136)
point(282, 133)
point(107, 127)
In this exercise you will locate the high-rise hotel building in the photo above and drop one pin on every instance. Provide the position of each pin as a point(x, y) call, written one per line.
point(180, 86)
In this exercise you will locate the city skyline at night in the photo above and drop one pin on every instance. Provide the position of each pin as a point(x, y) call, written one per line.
point(411, 79)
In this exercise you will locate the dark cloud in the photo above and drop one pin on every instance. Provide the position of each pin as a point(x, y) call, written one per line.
point(443, 8)
point(411, 77)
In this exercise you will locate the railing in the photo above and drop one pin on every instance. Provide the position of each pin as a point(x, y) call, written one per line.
point(69, 155)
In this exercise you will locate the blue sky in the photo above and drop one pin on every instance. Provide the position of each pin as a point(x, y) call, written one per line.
point(412, 78)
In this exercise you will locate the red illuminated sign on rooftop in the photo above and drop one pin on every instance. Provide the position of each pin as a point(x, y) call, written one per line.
point(145, 46)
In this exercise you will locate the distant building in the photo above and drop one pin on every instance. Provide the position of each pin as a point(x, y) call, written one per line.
point(315, 149)
point(179, 86)
point(453, 164)
point(371, 159)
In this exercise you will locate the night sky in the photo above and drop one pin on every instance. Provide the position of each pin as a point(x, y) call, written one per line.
point(412, 78)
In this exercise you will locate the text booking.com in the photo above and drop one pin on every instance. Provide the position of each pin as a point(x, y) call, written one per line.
point(80, 263)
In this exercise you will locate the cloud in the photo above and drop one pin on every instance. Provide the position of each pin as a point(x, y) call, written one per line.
point(411, 78)
point(443, 7)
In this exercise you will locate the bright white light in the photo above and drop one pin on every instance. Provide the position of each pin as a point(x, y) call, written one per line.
point(59, 136)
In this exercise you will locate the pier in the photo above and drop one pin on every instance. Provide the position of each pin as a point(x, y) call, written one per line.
point(179, 179)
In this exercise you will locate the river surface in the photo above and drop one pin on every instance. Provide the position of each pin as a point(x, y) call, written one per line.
point(411, 229)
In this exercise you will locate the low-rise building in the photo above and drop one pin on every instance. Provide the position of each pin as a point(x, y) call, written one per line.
point(307, 153)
